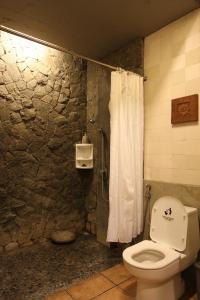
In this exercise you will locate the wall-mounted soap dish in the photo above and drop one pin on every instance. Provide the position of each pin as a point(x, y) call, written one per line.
point(84, 156)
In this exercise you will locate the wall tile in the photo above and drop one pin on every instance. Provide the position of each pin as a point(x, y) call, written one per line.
point(147, 172)
point(161, 174)
point(193, 57)
point(192, 72)
point(192, 162)
point(172, 151)
point(178, 48)
point(153, 122)
point(159, 148)
point(158, 134)
point(178, 90)
point(193, 22)
point(159, 161)
point(178, 77)
point(192, 86)
point(180, 31)
point(153, 72)
point(152, 60)
point(185, 147)
point(193, 131)
point(153, 109)
point(178, 62)
point(178, 133)
point(166, 50)
point(189, 177)
point(192, 42)
point(178, 161)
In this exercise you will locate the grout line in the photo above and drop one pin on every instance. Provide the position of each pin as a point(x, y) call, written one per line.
point(116, 284)
point(91, 278)
point(132, 277)
point(65, 289)
point(69, 294)
point(124, 290)
point(101, 274)
point(108, 278)
point(102, 293)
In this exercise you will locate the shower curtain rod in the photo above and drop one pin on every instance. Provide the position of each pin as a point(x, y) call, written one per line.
point(59, 48)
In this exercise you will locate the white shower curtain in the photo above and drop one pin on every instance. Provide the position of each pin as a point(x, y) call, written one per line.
point(126, 157)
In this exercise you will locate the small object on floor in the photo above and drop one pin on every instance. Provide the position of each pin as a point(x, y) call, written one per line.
point(11, 246)
point(85, 233)
point(63, 236)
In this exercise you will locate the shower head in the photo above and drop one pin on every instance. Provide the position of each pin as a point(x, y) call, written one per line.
point(92, 120)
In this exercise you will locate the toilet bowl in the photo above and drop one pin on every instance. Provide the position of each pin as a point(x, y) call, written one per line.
point(151, 261)
point(174, 244)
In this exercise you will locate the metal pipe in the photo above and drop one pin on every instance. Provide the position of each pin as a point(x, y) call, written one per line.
point(54, 46)
point(103, 170)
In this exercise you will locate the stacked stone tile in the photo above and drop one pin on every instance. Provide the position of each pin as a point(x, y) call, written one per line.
point(42, 115)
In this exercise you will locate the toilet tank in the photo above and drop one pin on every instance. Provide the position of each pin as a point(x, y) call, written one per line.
point(175, 225)
point(193, 238)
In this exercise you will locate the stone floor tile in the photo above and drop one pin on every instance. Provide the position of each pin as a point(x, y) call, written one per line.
point(129, 287)
point(90, 288)
point(117, 274)
point(114, 294)
point(61, 295)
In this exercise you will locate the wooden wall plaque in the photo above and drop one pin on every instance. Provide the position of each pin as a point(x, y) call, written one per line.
point(184, 109)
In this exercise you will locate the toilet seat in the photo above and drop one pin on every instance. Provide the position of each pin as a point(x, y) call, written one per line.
point(169, 255)
point(157, 263)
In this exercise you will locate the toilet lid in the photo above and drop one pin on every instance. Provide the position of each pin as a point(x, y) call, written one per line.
point(169, 222)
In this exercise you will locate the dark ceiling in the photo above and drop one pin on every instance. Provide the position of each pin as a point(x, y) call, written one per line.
point(91, 27)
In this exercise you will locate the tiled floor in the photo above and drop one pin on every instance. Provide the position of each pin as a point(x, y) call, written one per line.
point(115, 283)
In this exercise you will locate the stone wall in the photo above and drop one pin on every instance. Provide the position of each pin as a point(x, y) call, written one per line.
point(42, 115)
point(130, 58)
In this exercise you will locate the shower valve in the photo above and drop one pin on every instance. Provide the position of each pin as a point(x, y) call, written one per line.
point(148, 191)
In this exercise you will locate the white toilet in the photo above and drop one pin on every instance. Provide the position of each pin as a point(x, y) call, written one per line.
point(174, 246)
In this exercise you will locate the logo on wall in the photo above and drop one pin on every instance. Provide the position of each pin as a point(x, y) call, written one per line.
point(167, 214)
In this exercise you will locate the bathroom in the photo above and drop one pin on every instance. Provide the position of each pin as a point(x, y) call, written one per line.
point(48, 100)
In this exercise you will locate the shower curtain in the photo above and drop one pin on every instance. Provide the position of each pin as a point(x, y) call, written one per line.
point(126, 157)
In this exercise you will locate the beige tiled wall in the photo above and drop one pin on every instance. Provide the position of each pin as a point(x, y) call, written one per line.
point(172, 64)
